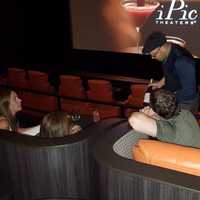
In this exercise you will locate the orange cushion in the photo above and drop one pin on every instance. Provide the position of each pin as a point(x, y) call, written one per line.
point(171, 156)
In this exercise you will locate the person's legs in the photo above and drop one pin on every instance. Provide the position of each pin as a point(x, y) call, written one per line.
point(124, 145)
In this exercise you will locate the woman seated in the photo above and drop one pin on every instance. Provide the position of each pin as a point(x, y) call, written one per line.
point(57, 124)
point(10, 105)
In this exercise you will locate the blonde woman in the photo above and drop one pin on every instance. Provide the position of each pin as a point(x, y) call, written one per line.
point(57, 124)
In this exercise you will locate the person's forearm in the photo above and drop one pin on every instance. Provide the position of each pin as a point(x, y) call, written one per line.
point(30, 131)
point(162, 82)
point(142, 123)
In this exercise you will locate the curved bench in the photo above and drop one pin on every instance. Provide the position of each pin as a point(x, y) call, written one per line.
point(49, 168)
point(6, 190)
point(120, 178)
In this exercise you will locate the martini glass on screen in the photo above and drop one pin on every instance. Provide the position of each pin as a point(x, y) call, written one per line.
point(139, 11)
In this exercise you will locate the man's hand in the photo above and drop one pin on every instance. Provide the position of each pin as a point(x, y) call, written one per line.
point(75, 129)
point(147, 111)
point(154, 85)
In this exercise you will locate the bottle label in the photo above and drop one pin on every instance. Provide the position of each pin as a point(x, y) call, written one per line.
point(147, 97)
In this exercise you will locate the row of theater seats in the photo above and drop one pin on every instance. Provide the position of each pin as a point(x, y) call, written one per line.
point(37, 94)
point(34, 89)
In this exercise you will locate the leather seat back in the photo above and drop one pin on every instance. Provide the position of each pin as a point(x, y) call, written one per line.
point(171, 156)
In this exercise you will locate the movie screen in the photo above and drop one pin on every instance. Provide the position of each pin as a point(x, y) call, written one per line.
point(123, 25)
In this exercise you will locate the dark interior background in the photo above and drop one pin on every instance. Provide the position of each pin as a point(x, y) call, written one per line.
point(37, 34)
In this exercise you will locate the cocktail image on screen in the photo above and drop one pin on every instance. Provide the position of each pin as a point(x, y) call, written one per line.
point(139, 11)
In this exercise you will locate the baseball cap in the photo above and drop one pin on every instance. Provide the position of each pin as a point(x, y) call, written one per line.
point(153, 41)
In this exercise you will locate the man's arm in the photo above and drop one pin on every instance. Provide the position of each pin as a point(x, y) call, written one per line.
point(158, 84)
point(29, 131)
point(143, 123)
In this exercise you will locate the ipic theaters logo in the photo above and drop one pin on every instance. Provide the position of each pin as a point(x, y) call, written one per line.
point(178, 13)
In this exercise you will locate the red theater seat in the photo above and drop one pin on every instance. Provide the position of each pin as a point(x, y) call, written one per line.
point(39, 82)
point(105, 97)
point(71, 86)
point(106, 111)
point(17, 78)
point(36, 104)
point(138, 89)
point(78, 107)
point(137, 94)
point(136, 98)
point(100, 90)
point(96, 85)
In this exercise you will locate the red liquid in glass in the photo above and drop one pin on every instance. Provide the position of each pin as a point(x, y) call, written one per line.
point(139, 14)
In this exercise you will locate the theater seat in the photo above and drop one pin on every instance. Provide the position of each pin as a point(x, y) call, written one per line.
point(76, 107)
point(100, 90)
point(138, 89)
point(136, 98)
point(137, 94)
point(37, 105)
point(39, 82)
point(17, 78)
point(71, 86)
point(166, 155)
point(96, 84)
point(107, 111)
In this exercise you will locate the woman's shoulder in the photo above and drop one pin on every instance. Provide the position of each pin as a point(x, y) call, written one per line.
point(4, 124)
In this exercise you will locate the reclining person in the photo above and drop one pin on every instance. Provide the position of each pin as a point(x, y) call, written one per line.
point(164, 120)
point(10, 105)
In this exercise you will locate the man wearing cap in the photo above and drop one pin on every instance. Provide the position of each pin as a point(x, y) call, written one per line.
point(178, 67)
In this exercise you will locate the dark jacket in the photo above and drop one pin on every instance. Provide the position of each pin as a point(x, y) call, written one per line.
point(180, 74)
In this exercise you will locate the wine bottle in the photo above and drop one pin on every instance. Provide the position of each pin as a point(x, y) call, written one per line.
point(147, 94)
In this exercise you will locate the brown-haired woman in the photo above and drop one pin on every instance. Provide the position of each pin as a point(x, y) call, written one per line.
point(10, 105)
point(57, 124)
